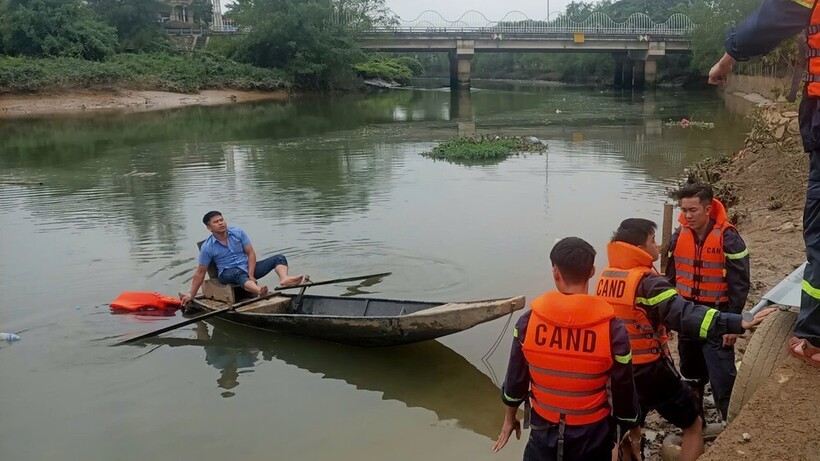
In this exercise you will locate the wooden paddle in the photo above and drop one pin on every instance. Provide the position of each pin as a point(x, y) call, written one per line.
point(327, 282)
point(242, 303)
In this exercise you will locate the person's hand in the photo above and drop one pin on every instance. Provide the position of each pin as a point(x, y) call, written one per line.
point(507, 429)
point(721, 70)
point(757, 319)
point(185, 298)
point(729, 340)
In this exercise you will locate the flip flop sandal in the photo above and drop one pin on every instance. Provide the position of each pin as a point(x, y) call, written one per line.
point(792, 348)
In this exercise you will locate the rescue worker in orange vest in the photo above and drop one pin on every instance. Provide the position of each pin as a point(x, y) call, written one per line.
point(565, 351)
point(648, 304)
point(709, 265)
point(761, 32)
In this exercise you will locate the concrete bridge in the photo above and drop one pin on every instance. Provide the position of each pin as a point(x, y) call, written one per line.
point(636, 44)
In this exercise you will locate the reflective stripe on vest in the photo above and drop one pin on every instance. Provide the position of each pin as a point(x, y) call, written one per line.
point(700, 270)
point(567, 347)
point(619, 287)
point(813, 61)
point(568, 374)
point(706, 264)
point(569, 393)
point(573, 412)
point(806, 3)
point(694, 293)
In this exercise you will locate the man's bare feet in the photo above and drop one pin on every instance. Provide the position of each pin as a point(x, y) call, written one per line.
point(295, 280)
point(263, 290)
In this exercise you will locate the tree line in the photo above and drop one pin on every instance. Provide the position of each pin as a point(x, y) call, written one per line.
point(310, 43)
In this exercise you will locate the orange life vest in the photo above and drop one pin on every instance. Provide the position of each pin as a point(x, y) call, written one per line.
point(700, 271)
point(813, 41)
point(567, 347)
point(143, 302)
point(617, 285)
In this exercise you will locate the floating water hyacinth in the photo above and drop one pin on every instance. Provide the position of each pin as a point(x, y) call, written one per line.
point(686, 123)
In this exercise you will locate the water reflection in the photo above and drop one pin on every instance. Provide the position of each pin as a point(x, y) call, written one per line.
point(425, 375)
point(223, 354)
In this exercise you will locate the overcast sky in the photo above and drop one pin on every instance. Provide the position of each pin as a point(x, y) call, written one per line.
point(452, 9)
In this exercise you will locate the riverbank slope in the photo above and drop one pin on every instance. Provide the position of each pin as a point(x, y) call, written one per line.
point(768, 181)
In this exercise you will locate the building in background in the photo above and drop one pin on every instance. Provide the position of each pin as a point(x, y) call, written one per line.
point(181, 14)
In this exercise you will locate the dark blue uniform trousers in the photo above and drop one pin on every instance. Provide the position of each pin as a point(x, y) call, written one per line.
point(808, 320)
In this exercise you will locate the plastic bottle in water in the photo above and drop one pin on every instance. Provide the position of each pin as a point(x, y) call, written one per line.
point(9, 337)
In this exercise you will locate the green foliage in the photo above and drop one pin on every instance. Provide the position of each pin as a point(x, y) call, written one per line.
point(411, 63)
point(304, 37)
point(399, 70)
point(225, 45)
point(575, 68)
point(136, 21)
point(483, 148)
point(155, 71)
point(55, 28)
point(203, 11)
point(713, 19)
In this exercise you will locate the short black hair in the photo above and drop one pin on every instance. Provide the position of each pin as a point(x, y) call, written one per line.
point(574, 258)
point(702, 191)
point(634, 231)
point(207, 218)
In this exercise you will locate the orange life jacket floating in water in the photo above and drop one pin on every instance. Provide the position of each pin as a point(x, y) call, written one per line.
point(145, 303)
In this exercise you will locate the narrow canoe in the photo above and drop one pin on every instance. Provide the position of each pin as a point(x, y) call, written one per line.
point(364, 321)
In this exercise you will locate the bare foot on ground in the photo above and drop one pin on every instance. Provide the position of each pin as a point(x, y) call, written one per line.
point(263, 290)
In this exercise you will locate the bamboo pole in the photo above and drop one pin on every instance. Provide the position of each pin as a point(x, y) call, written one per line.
point(666, 234)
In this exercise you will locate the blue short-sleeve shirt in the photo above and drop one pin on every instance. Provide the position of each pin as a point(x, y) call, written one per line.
point(229, 256)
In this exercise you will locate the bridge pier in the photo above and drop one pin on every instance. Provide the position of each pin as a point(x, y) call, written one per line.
point(651, 72)
point(461, 105)
point(461, 63)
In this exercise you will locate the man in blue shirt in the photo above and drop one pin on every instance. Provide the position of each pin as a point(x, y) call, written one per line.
point(760, 33)
point(231, 250)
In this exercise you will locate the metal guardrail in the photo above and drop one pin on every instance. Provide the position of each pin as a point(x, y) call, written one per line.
point(678, 25)
point(187, 32)
point(211, 30)
point(517, 22)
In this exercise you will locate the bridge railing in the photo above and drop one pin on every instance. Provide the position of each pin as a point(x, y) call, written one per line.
point(517, 22)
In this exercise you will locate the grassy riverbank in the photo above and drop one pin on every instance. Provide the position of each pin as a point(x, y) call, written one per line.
point(179, 72)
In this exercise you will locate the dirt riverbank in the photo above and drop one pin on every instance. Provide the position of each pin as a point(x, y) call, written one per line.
point(95, 101)
point(768, 178)
point(766, 184)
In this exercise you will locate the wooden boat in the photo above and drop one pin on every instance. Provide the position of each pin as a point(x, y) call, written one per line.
point(363, 321)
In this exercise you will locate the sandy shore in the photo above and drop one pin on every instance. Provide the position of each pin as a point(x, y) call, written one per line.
point(84, 101)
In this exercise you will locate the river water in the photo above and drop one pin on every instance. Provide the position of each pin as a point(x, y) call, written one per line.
point(338, 185)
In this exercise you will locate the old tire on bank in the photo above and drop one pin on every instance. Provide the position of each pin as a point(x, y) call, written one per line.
point(765, 352)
